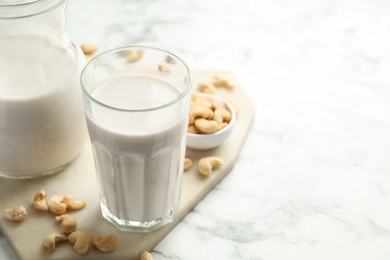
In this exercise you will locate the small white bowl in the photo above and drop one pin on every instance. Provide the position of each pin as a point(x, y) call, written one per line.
point(208, 141)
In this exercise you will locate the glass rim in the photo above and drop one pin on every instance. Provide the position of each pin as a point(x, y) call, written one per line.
point(124, 48)
point(41, 6)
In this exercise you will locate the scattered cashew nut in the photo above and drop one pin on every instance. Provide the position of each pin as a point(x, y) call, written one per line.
point(73, 204)
point(163, 68)
point(187, 163)
point(145, 256)
point(220, 81)
point(68, 223)
point(50, 240)
point(105, 243)
point(134, 55)
point(89, 48)
point(17, 214)
point(80, 241)
point(170, 59)
point(206, 165)
point(56, 205)
point(206, 88)
point(40, 201)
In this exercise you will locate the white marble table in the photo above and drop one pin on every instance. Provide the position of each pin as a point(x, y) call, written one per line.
point(313, 180)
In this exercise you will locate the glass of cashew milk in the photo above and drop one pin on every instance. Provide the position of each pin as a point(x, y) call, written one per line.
point(137, 102)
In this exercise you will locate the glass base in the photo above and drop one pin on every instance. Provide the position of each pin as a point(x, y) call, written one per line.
point(136, 226)
point(10, 175)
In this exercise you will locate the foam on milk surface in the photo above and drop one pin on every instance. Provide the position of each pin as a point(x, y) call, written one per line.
point(41, 118)
point(138, 153)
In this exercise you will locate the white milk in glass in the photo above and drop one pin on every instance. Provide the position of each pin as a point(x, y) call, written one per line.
point(138, 153)
point(42, 124)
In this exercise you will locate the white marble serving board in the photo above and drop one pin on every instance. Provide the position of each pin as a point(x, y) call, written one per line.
point(80, 181)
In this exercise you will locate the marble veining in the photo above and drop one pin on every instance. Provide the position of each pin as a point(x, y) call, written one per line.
point(312, 181)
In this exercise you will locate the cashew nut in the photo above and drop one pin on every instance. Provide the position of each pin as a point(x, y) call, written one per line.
point(206, 88)
point(202, 102)
point(56, 205)
point(170, 59)
point(206, 126)
point(216, 103)
point(210, 108)
point(163, 68)
point(40, 201)
point(222, 125)
point(199, 111)
point(187, 163)
point(193, 130)
point(220, 81)
point(105, 243)
point(89, 48)
point(206, 165)
point(88, 57)
point(134, 55)
point(146, 256)
point(80, 241)
point(68, 223)
point(73, 204)
point(193, 96)
point(17, 214)
point(50, 240)
point(222, 115)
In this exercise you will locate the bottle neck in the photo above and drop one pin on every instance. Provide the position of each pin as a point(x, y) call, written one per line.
point(41, 17)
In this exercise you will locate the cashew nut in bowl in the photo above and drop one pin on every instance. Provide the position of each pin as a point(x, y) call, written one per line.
point(80, 241)
point(217, 103)
point(17, 214)
point(193, 130)
point(206, 126)
point(73, 204)
point(50, 240)
point(105, 243)
point(222, 115)
point(198, 111)
point(56, 205)
point(202, 102)
point(206, 165)
point(39, 201)
point(205, 135)
point(68, 223)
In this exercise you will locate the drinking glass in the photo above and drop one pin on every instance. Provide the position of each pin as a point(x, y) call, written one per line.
point(136, 102)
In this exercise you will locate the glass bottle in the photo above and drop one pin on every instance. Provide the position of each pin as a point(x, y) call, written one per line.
point(42, 127)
